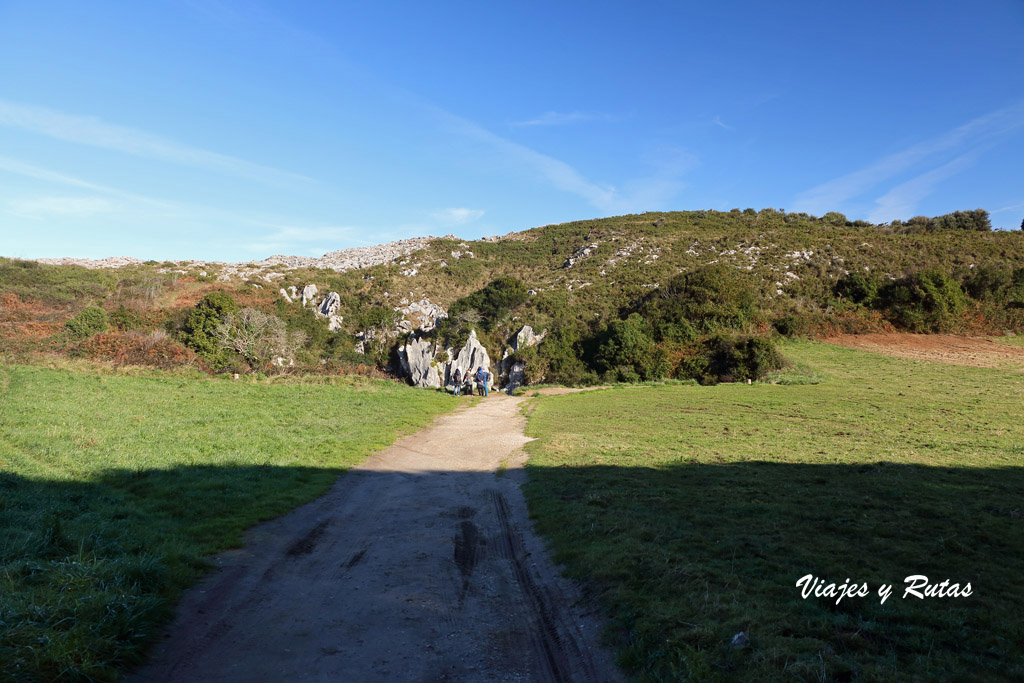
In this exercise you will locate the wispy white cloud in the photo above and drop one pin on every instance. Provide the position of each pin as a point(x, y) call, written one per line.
point(977, 132)
point(1007, 209)
point(293, 240)
point(901, 200)
point(27, 170)
point(456, 216)
point(40, 208)
point(554, 118)
point(641, 194)
point(87, 130)
point(721, 124)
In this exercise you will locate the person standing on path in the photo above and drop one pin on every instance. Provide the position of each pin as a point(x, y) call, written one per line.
point(481, 381)
point(457, 379)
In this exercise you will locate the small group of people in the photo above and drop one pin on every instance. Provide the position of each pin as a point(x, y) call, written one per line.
point(482, 378)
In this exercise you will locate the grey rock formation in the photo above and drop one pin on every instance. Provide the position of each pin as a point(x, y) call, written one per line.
point(471, 356)
point(581, 253)
point(284, 295)
point(514, 373)
point(417, 358)
point(309, 295)
point(527, 337)
point(329, 309)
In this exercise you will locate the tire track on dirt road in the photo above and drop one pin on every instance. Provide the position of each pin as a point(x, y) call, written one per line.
point(418, 565)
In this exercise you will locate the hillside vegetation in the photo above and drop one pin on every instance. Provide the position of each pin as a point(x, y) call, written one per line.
point(696, 294)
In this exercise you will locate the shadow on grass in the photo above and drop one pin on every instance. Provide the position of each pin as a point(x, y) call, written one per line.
point(683, 557)
point(89, 570)
point(686, 556)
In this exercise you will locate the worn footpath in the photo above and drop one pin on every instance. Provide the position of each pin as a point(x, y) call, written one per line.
point(419, 565)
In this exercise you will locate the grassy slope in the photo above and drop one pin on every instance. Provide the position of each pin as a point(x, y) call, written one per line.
point(114, 488)
point(694, 510)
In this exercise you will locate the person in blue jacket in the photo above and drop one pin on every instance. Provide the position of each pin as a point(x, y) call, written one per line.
point(481, 380)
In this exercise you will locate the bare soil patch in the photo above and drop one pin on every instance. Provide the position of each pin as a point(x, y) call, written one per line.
point(979, 352)
point(419, 565)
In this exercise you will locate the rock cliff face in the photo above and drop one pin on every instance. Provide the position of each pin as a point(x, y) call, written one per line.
point(417, 358)
point(514, 373)
point(328, 308)
point(418, 362)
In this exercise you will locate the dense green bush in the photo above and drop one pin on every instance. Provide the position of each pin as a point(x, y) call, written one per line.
point(834, 218)
point(859, 288)
point(722, 358)
point(706, 299)
point(627, 353)
point(199, 330)
point(926, 301)
point(988, 282)
point(492, 302)
point(87, 322)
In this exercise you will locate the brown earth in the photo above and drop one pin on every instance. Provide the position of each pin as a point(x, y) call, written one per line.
point(944, 348)
point(419, 565)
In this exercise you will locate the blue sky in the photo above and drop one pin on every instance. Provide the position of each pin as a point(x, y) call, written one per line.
point(236, 130)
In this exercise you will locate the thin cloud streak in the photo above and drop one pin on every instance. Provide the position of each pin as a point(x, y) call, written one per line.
point(899, 202)
point(91, 131)
point(456, 216)
point(829, 196)
point(554, 118)
point(645, 193)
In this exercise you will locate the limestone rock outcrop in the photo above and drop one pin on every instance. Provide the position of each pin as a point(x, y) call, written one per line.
point(309, 295)
point(328, 308)
point(417, 358)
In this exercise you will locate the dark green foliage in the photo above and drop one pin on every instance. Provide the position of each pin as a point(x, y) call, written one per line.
point(732, 359)
point(926, 301)
point(834, 218)
point(627, 353)
point(493, 301)
point(200, 326)
point(977, 221)
point(87, 322)
point(706, 299)
point(857, 287)
point(986, 282)
point(125, 319)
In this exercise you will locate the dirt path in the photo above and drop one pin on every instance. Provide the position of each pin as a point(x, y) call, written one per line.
point(943, 348)
point(419, 565)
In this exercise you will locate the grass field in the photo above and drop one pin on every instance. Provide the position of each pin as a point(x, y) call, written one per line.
point(693, 511)
point(114, 488)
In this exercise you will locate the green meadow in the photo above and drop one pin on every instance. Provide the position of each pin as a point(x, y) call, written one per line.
point(115, 488)
point(691, 512)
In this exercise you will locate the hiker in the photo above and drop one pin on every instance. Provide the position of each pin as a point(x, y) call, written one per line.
point(481, 381)
point(468, 380)
point(457, 379)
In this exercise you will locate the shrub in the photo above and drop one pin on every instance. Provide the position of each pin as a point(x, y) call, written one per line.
point(125, 319)
point(721, 358)
point(857, 287)
point(926, 301)
point(199, 330)
point(257, 337)
point(834, 218)
point(493, 301)
point(87, 322)
point(628, 354)
point(706, 299)
point(985, 282)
